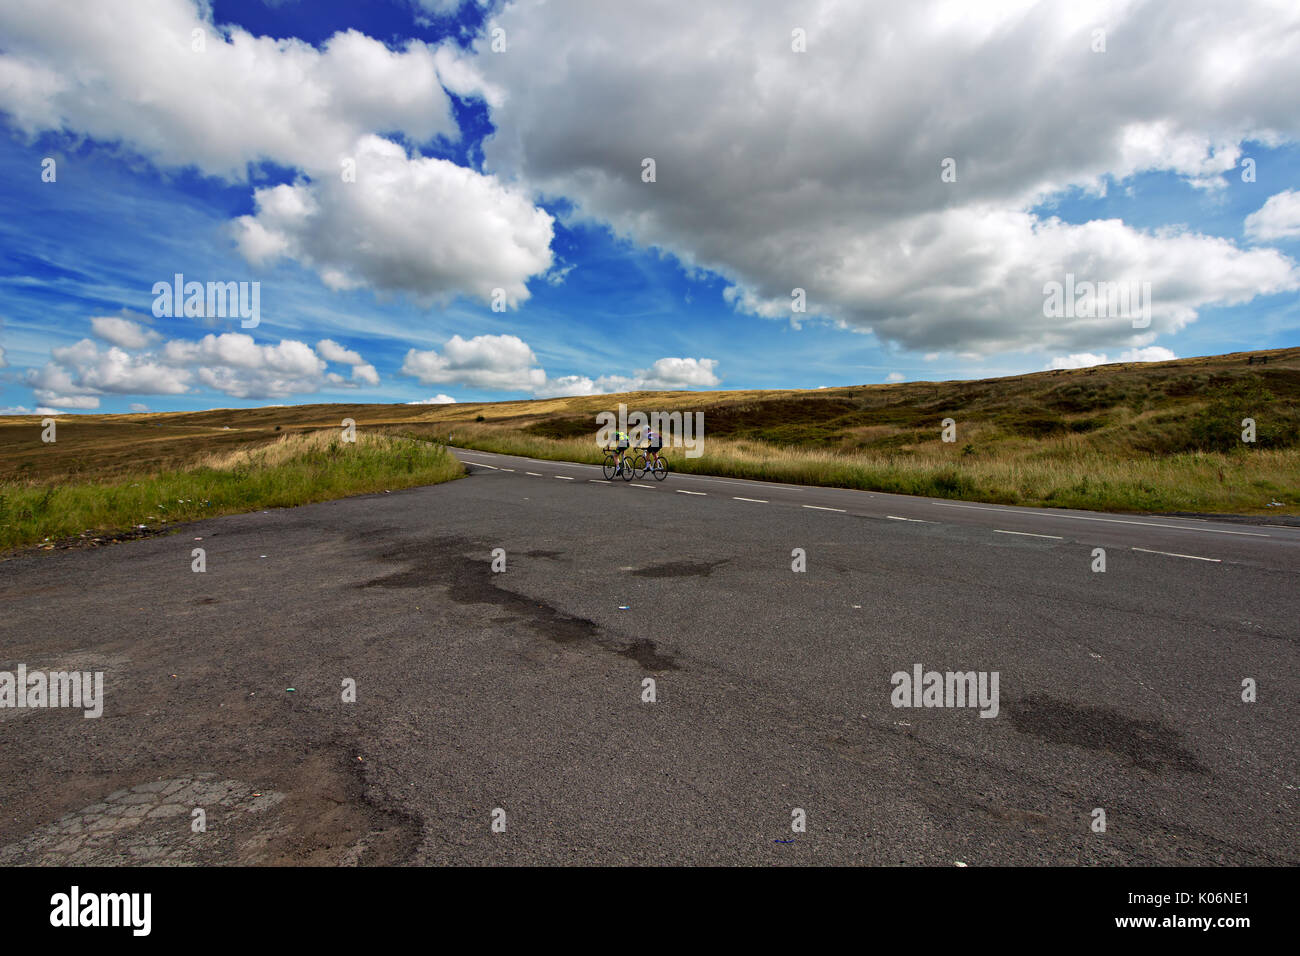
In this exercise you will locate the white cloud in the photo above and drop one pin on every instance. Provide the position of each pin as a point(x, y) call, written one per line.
point(331, 351)
point(123, 332)
point(232, 363)
point(1152, 353)
point(507, 363)
point(241, 100)
point(3, 363)
point(567, 385)
point(1279, 218)
point(424, 226)
point(848, 204)
point(1078, 360)
point(895, 377)
point(439, 399)
point(678, 373)
point(503, 362)
point(139, 407)
point(129, 74)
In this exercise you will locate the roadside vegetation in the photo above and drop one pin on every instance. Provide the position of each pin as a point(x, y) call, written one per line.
point(1158, 437)
point(1062, 473)
point(1161, 437)
point(291, 469)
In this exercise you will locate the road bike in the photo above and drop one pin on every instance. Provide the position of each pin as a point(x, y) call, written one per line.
point(641, 465)
point(616, 465)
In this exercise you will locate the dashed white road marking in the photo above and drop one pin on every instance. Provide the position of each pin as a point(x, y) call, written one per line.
point(917, 520)
point(820, 508)
point(1146, 524)
point(599, 481)
point(682, 492)
point(1028, 534)
point(506, 469)
point(1174, 554)
point(535, 474)
point(562, 477)
point(759, 501)
point(647, 487)
point(483, 464)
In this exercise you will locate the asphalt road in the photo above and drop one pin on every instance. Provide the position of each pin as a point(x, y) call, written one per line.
point(522, 691)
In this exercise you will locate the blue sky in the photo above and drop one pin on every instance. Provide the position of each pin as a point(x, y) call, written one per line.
point(627, 287)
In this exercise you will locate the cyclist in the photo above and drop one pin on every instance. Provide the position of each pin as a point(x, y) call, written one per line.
point(654, 442)
point(623, 442)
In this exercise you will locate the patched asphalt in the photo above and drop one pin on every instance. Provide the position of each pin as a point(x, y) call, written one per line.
point(523, 690)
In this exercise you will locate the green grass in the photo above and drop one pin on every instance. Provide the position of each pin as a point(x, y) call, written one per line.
point(1127, 437)
point(297, 469)
point(1063, 472)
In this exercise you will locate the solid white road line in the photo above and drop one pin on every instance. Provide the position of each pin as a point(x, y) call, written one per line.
point(1028, 534)
point(820, 508)
point(1173, 554)
point(1146, 524)
point(759, 501)
point(681, 492)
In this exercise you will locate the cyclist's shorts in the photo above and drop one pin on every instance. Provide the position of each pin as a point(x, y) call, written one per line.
point(622, 446)
point(655, 449)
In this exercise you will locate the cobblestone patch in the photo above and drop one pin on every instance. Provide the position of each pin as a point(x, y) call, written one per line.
point(150, 823)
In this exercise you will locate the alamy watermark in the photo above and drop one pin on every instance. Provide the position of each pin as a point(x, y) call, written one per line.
point(922, 688)
point(35, 689)
point(1098, 300)
point(676, 430)
point(216, 300)
point(130, 910)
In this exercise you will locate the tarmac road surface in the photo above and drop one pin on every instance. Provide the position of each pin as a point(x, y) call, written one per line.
point(519, 696)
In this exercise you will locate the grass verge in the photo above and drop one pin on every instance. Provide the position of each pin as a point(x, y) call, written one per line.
point(1063, 472)
point(297, 469)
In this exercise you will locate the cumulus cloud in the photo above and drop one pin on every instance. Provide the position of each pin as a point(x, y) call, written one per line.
point(791, 174)
point(507, 363)
point(232, 363)
point(363, 373)
point(1078, 360)
point(1152, 353)
point(1279, 218)
point(439, 399)
point(503, 362)
point(123, 332)
point(135, 74)
point(424, 226)
point(139, 407)
point(241, 99)
point(568, 385)
point(24, 410)
point(331, 351)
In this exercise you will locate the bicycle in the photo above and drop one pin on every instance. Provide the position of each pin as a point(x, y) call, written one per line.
point(616, 464)
point(641, 464)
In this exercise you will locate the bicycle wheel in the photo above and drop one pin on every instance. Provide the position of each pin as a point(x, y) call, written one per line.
point(638, 466)
point(627, 469)
point(660, 469)
point(611, 467)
